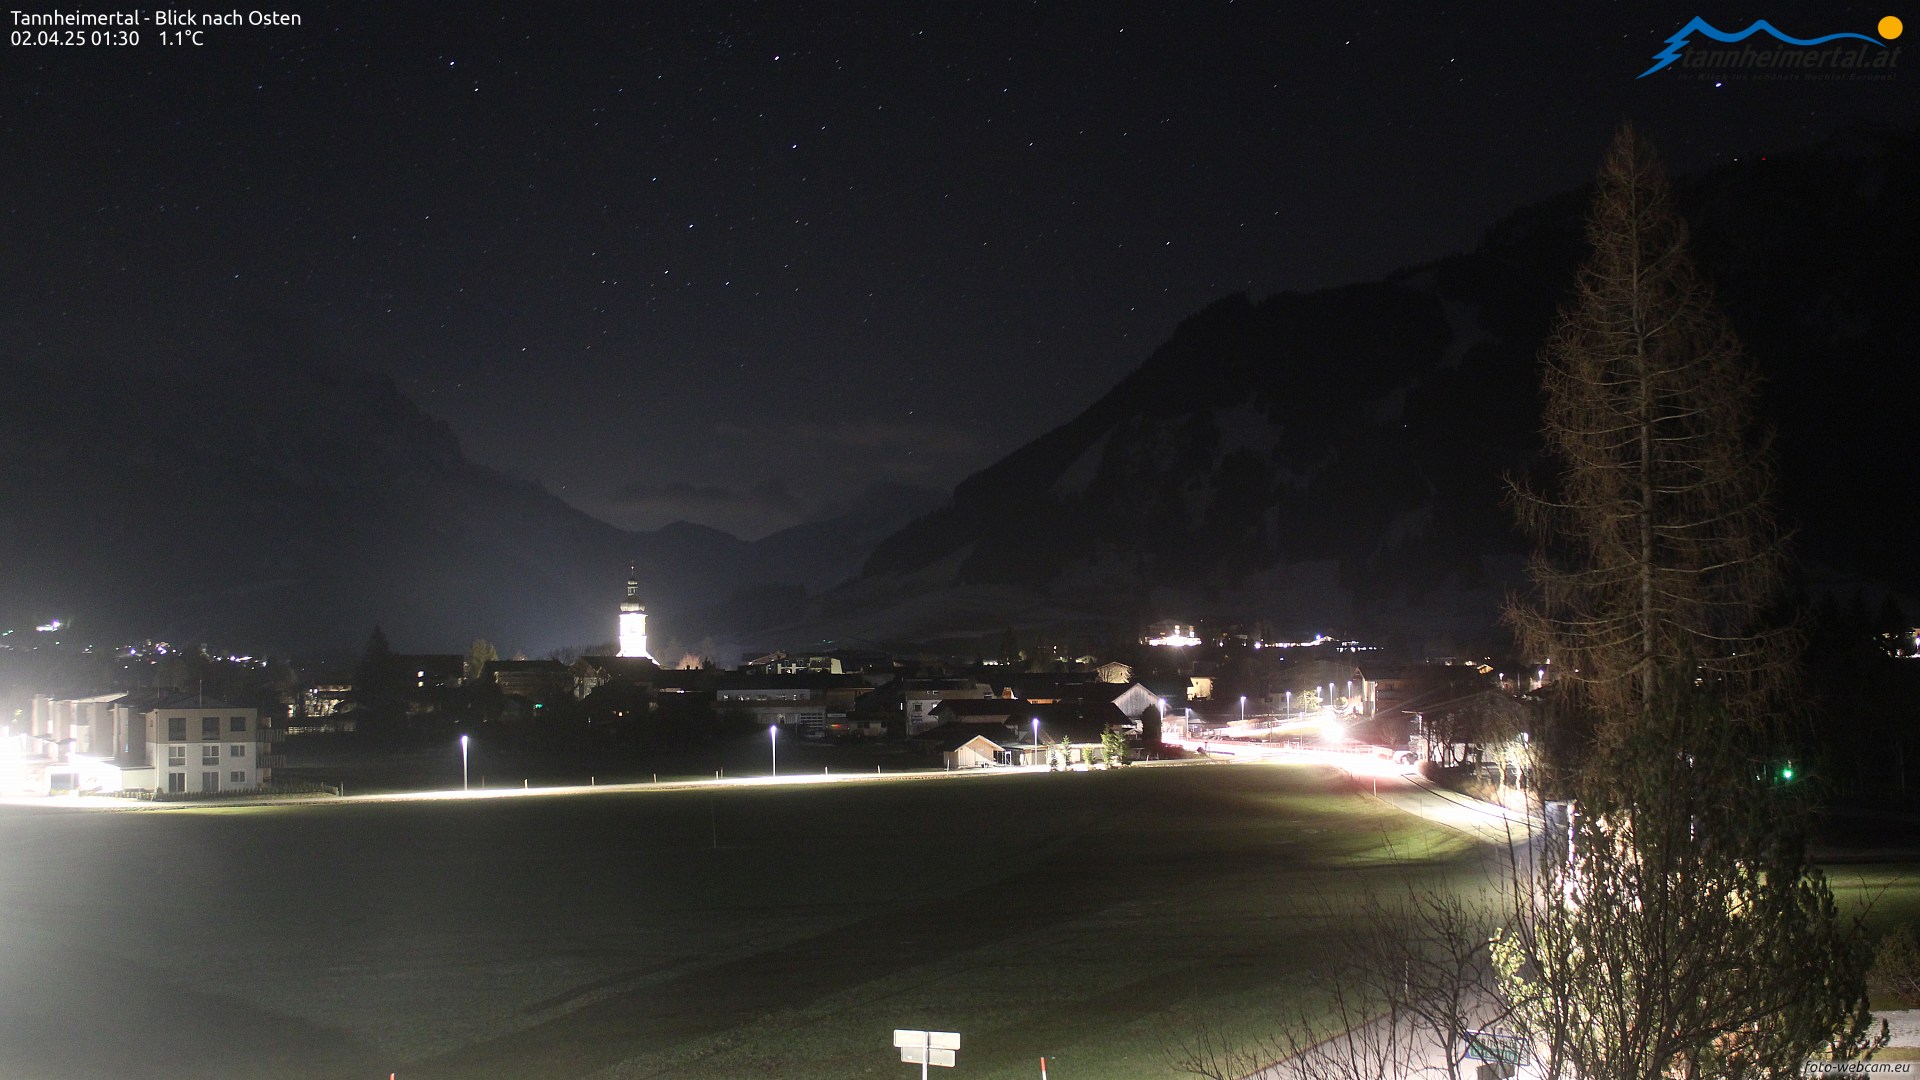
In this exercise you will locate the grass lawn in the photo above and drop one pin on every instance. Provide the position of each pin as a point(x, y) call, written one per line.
point(1882, 894)
point(1093, 918)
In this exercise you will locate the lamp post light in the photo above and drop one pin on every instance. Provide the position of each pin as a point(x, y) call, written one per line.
point(1289, 704)
point(773, 744)
point(1243, 710)
point(1526, 758)
point(1036, 733)
point(463, 763)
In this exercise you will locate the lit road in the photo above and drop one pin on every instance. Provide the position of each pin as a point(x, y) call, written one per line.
point(1397, 785)
point(91, 802)
point(1494, 824)
point(1394, 784)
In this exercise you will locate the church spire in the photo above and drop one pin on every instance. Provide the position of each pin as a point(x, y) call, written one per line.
point(633, 619)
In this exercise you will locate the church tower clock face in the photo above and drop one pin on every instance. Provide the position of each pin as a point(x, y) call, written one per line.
point(633, 620)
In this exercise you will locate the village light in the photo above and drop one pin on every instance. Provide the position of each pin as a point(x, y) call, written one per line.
point(1180, 637)
point(773, 744)
point(1243, 708)
point(463, 763)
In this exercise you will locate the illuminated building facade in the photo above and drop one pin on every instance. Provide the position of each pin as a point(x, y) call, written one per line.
point(183, 745)
point(633, 621)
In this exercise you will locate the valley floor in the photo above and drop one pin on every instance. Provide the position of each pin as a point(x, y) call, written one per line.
point(721, 931)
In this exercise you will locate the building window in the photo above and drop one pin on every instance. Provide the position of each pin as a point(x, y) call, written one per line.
point(237, 777)
point(176, 728)
point(237, 749)
point(210, 781)
point(209, 727)
point(177, 755)
point(236, 723)
point(210, 755)
point(177, 781)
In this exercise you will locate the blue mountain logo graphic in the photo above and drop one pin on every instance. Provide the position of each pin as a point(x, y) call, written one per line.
point(1681, 40)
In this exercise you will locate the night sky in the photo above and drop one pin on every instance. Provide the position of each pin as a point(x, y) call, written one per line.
point(734, 264)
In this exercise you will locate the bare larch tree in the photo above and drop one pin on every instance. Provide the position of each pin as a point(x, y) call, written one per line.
point(1658, 547)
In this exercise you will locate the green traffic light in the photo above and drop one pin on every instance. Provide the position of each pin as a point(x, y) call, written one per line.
point(1786, 773)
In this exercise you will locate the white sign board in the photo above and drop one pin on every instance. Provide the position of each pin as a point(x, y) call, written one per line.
point(926, 1047)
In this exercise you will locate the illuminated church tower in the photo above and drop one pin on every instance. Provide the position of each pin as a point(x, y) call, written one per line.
point(633, 620)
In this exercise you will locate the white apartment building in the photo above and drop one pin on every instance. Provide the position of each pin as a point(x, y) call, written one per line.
point(176, 745)
point(203, 747)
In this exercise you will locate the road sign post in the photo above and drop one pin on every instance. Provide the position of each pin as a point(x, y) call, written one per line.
point(924, 1048)
point(1501, 1054)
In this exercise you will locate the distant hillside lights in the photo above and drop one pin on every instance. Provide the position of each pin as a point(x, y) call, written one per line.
point(633, 621)
point(1339, 645)
point(1172, 636)
point(1905, 646)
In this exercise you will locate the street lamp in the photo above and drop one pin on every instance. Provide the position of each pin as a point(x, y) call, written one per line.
point(463, 763)
point(1036, 733)
point(1289, 704)
point(773, 744)
point(1243, 710)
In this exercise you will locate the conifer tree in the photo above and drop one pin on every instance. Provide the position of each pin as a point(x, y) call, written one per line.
point(1677, 927)
point(379, 687)
point(1658, 543)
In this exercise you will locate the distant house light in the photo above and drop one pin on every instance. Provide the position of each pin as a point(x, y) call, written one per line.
point(48, 627)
